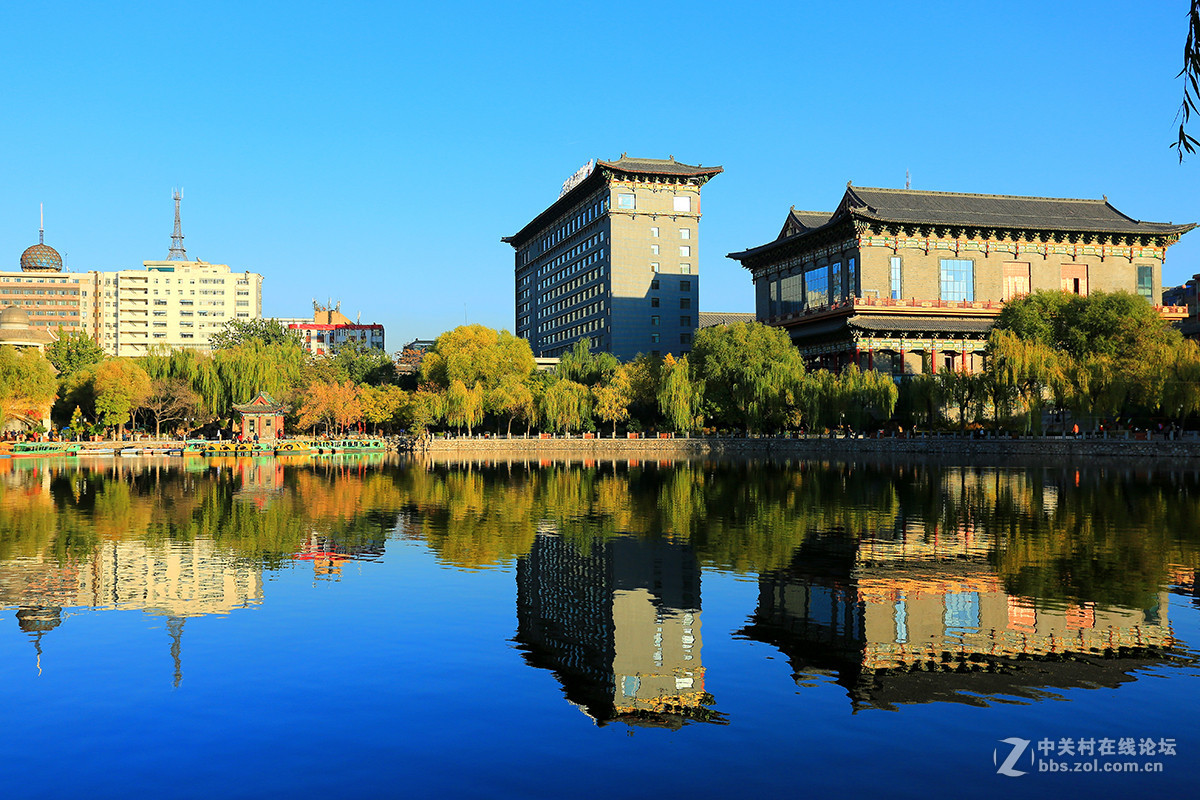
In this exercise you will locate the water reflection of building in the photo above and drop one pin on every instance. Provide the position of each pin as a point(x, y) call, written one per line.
point(926, 629)
point(175, 580)
point(618, 622)
point(328, 553)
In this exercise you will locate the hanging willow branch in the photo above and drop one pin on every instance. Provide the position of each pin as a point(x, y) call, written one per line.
point(1190, 73)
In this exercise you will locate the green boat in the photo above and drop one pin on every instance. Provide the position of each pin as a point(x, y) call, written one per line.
point(238, 449)
point(44, 449)
point(335, 446)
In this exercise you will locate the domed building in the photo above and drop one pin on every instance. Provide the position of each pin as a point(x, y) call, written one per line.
point(49, 294)
point(41, 257)
point(16, 330)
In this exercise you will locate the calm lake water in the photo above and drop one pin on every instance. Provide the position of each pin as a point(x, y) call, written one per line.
point(375, 627)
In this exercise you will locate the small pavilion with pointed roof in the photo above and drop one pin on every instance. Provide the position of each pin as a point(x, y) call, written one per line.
point(262, 416)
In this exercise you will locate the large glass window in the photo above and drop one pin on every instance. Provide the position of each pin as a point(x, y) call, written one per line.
point(958, 280)
point(683, 203)
point(897, 287)
point(816, 287)
point(1145, 284)
point(625, 201)
point(791, 295)
point(851, 278)
point(835, 271)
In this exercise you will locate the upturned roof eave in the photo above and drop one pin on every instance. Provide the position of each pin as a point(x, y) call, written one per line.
point(1150, 229)
point(1160, 229)
point(589, 183)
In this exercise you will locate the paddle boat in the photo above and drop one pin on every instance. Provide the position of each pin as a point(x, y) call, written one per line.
point(337, 446)
point(44, 449)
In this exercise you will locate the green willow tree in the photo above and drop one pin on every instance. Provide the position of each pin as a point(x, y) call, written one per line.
point(613, 398)
point(748, 370)
point(1033, 369)
point(511, 399)
point(464, 407)
point(581, 365)
point(566, 406)
point(679, 398)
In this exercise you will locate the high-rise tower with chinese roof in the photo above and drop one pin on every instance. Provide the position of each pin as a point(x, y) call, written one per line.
point(614, 261)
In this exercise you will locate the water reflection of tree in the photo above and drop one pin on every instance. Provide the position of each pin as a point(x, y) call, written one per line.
point(81, 506)
point(1048, 533)
point(1088, 536)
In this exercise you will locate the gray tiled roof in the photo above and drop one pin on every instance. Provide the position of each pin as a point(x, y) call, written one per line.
point(912, 207)
point(882, 323)
point(707, 319)
point(995, 210)
point(811, 219)
point(657, 166)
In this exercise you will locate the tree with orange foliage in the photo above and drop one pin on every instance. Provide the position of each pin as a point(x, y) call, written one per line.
point(335, 404)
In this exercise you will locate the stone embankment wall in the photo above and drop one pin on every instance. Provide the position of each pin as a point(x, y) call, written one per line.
point(997, 449)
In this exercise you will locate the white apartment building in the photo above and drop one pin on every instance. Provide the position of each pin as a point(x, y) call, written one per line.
point(171, 304)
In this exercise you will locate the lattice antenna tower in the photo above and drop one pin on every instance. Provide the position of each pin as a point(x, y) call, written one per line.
point(177, 253)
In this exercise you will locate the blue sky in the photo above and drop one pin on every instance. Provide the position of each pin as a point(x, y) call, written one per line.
point(376, 153)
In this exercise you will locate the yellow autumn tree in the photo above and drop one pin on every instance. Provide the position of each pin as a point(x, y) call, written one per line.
point(334, 404)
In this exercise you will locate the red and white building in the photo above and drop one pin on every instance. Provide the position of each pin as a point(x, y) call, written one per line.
point(330, 329)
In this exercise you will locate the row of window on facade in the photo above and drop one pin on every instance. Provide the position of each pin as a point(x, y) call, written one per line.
point(572, 269)
point(656, 232)
point(583, 217)
point(66, 292)
point(574, 252)
point(574, 332)
point(684, 250)
point(684, 269)
point(681, 202)
point(820, 286)
point(571, 316)
point(684, 322)
point(684, 338)
point(684, 302)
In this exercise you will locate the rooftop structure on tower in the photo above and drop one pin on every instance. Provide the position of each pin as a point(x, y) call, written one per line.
point(177, 252)
point(41, 257)
point(614, 261)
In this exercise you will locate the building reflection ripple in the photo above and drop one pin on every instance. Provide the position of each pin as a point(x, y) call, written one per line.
point(618, 622)
point(917, 614)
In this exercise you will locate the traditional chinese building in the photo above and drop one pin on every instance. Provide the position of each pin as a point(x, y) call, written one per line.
point(262, 416)
point(909, 281)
